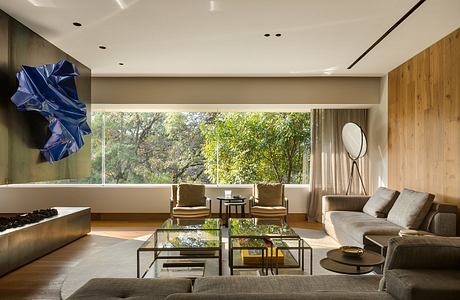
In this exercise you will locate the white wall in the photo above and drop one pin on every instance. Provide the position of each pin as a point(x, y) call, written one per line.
point(378, 139)
point(120, 198)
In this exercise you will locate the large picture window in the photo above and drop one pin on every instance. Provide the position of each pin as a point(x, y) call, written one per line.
point(199, 147)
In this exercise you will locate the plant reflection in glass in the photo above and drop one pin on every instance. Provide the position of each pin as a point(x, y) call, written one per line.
point(188, 239)
point(258, 227)
point(186, 224)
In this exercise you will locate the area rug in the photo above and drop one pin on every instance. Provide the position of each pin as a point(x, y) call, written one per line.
point(120, 260)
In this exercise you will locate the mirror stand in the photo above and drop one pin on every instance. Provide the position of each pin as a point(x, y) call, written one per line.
point(354, 165)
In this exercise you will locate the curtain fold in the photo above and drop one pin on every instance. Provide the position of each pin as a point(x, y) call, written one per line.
point(330, 165)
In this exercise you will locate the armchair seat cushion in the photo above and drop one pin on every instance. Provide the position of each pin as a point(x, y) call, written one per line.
point(269, 210)
point(186, 211)
point(422, 284)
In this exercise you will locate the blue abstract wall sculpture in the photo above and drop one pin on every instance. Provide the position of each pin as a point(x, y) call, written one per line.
point(50, 90)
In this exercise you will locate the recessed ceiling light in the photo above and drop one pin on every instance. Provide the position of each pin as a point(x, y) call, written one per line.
point(267, 35)
point(214, 5)
point(121, 3)
point(121, 64)
point(278, 34)
point(102, 47)
point(76, 24)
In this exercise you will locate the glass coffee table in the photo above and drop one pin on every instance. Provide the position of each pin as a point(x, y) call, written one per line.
point(182, 244)
point(265, 244)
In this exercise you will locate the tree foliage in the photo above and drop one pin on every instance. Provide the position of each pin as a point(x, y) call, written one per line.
point(255, 147)
point(154, 147)
point(200, 147)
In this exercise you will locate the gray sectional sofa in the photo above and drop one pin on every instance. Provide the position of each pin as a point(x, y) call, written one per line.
point(349, 218)
point(416, 268)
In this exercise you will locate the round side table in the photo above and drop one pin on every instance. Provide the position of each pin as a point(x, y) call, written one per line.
point(337, 262)
point(236, 205)
point(234, 199)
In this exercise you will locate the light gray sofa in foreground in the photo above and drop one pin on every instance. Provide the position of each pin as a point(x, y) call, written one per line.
point(349, 218)
point(416, 268)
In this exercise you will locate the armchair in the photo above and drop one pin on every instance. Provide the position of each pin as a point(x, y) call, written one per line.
point(189, 201)
point(268, 201)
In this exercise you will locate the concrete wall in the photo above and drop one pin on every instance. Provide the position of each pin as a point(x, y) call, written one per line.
point(236, 90)
point(121, 198)
point(378, 140)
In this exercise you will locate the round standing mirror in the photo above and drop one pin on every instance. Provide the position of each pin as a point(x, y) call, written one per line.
point(354, 140)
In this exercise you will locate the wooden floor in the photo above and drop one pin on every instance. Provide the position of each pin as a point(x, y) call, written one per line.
point(42, 279)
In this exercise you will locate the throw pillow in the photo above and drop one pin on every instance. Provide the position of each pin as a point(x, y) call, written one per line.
point(269, 194)
point(381, 202)
point(191, 195)
point(410, 209)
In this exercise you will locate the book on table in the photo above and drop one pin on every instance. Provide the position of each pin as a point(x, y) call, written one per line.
point(254, 256)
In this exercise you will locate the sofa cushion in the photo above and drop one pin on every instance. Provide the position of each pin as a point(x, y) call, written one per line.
point(268, 194)
point(423, 252)
point(291, 296)
point(405, 284)
point(285, 284)
point(410, 209)
point(131, 288)
point(358, 224)
point(191, 195)
point(381, 202)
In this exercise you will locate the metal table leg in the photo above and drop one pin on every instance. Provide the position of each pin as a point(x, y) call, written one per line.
point(229, 212)
point(138, 265)
point(220, 209)
point(220, 258)
point(263, 263)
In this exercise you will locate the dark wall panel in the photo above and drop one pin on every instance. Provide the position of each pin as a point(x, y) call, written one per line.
point(28, 131)
point(4, 91)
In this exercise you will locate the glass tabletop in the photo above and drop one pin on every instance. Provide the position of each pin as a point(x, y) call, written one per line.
point(289, 243)
point(265, 228)
point(190, 224)
point(232, 198)
point(182, 240)
point(248, 243)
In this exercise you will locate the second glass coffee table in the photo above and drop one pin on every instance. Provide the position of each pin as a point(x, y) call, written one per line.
point(182, 243)
point(265, 244)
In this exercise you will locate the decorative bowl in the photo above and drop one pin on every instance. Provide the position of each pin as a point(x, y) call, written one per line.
point(352, 251)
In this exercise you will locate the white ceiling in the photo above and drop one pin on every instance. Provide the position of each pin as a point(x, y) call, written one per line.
point(226, 37)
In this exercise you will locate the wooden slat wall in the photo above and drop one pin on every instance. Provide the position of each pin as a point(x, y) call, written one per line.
point(424, 122)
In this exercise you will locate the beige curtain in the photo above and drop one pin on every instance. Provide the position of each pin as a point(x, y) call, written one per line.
point(329, 163)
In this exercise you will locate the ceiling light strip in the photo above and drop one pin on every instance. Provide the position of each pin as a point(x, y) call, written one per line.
point(387, 32)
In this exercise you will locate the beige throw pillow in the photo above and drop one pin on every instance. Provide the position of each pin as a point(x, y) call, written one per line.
point(191, 195)
point(410, 209)
point(381, 202)
point(269, 194)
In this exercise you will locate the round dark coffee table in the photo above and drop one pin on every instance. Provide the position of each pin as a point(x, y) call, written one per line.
point(337, 262)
